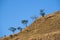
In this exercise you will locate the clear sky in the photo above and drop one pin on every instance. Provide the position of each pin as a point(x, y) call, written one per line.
point(13, 11)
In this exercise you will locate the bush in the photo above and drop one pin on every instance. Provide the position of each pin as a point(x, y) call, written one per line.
point(11, 36)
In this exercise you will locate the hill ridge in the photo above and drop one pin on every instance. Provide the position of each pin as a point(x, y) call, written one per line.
point(41, 26)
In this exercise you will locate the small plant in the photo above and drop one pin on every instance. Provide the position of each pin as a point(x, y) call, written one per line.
point(11, 36)
point(19, 28)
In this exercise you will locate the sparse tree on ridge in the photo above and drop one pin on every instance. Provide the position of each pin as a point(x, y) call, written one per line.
point(25, 22)
point(12, 29)
point(42, 12)
point(19, 28)
point(34, 17)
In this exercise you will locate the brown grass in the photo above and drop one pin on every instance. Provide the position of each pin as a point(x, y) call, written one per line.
point(43, 28)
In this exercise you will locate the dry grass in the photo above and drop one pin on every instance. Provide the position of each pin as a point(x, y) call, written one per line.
point(44, 28)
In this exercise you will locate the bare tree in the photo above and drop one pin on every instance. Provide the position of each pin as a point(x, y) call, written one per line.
point(34, 17)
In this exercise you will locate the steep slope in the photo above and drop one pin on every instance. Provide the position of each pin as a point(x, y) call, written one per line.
point(43, 28)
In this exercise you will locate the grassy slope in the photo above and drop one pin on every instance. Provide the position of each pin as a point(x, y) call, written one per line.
point(40, 27)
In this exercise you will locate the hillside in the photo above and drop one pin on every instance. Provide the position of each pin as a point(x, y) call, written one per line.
point(43, 28)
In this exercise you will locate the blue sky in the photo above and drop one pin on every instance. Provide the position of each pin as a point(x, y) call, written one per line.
point(13, 11)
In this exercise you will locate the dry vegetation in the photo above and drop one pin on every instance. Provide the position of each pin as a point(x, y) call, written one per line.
point(44, 28)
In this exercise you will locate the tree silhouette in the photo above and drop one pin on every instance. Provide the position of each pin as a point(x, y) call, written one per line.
point(42, 12)
point(25, 22)
point(34, 17)
point(19, 28)
point(12, 29)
